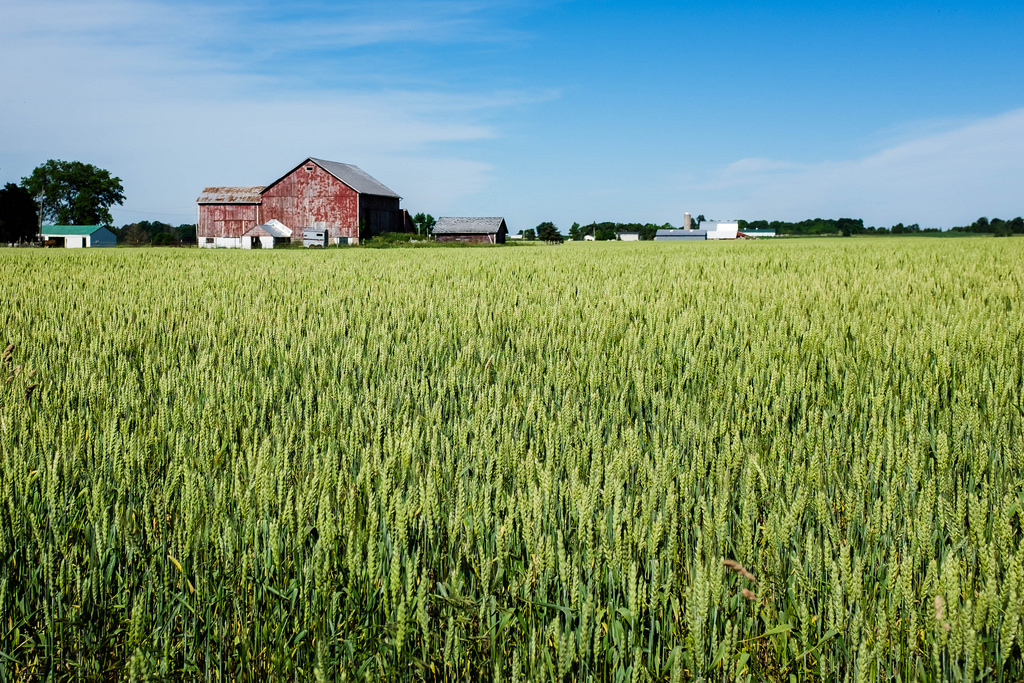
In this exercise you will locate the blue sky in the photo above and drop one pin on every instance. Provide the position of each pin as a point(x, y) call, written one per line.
point(564, 111)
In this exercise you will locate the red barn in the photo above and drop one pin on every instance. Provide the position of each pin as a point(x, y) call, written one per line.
point(340, 198)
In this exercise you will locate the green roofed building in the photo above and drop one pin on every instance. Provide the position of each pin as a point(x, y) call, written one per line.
point(78, 236)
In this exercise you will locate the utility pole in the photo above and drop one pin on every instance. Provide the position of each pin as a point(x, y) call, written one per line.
point(42, 196)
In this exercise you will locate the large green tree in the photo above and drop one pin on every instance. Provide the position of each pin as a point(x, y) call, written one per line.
point(18, 217)
point(74, 193)
point(549, 233)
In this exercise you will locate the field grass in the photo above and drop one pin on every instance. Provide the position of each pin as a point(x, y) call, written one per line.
point(514, 464)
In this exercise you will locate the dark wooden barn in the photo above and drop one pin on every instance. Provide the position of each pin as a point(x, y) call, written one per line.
point(341, 199)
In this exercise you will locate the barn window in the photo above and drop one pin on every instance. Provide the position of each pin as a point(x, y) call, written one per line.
point(309, 169)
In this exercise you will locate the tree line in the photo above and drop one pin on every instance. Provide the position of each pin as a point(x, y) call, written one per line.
point(155, 233)
point(549, 232)
point(855, 226)
point(996, 226)
point(813, 226)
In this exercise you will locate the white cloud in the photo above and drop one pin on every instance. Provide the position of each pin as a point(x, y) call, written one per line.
point(940, 179)
point(162, 97)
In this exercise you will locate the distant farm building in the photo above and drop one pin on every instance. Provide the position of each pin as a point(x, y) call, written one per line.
point(667, 235)
point(721, 230)
point(709, 230)
point(757, 233)
point(628, 236)
point(472, 230)
point(78, 236)
point(339, 199)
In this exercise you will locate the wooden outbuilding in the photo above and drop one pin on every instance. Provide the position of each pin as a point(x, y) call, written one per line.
point(472, 230)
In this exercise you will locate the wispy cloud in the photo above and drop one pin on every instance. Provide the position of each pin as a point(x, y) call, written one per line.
point(171, 96)
point(939, 179)
point(341, 25)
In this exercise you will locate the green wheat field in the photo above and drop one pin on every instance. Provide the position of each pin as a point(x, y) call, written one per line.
point(780, 460)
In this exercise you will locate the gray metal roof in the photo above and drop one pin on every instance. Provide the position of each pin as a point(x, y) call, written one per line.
point(231, 195)
point(681, 233)
point(355, 177)
point(663, 235)
point(476, 226)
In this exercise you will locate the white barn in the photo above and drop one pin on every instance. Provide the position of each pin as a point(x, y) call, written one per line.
point(78, 236)
point(721, 230)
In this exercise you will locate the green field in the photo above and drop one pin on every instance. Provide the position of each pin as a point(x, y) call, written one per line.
point(514, 463)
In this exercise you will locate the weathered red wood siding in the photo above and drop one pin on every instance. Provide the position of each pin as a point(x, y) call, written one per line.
point(226, 220)
point(471, 238)
point(313, 198)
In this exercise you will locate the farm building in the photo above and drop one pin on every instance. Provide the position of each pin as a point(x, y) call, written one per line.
point(266, 236)
point(756, 233)
point(628, 236)
point(225, 213)
point(680, 235)
point(78, 236)
point(340, 199)
point(721, 230)
point(475, 230)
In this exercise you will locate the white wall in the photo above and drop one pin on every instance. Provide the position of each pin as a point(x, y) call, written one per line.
point(721, 230)
point(221, 243)
point(100, 238)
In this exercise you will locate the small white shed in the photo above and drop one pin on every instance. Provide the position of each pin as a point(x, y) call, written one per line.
point(267, 235)
point(78, 236)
